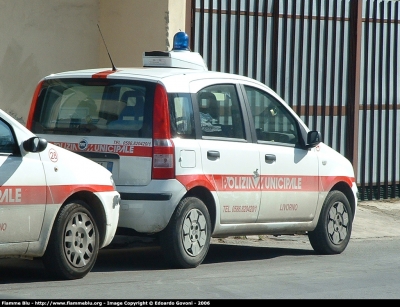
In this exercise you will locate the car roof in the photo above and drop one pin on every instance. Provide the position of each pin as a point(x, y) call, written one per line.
point(173, 78)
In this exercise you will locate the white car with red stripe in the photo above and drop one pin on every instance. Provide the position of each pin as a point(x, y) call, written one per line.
point(54, 204)
point(198, 154)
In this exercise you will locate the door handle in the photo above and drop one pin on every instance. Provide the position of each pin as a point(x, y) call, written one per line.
point(213, 155)
point(270, 158)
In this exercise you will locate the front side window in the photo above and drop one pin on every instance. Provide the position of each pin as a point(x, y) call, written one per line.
point(272, 121)
point(220, 114)
point(7, 140)
point(95, 107)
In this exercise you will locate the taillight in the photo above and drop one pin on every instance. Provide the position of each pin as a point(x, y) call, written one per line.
point(35, 97)
point(163, 147)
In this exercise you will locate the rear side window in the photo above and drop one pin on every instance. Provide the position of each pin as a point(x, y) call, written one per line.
point(95, 107)
point(181, 113)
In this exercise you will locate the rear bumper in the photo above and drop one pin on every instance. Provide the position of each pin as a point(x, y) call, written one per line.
point(147, 211)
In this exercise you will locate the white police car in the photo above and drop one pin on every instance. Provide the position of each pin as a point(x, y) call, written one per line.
point(198, 154)
point(54, 204)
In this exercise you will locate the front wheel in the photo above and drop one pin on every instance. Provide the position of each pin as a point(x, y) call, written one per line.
point(333, 230)
point(74, 243)
point(186, 239)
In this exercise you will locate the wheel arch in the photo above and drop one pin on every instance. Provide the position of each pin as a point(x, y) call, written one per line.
point(207, 198)
point(96, 207)
point(346, 190)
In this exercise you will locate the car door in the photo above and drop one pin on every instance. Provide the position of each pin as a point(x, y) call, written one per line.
point(227, 157)
point(289, 173)
point(22, 190)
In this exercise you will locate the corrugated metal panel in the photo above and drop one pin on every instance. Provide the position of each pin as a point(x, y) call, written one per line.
point(379, 125)
point(295, 47)
point(310, 53)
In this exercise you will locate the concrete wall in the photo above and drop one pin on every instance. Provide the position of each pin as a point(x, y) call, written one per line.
point(129, 29)
point(42, 37)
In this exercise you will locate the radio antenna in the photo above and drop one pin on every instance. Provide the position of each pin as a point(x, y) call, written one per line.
point(112, 63)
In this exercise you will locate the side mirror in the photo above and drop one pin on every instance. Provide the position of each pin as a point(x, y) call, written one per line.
point(35, 144)
point(313, 139)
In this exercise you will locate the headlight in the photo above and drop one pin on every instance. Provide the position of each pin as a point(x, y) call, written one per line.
point(112, 182)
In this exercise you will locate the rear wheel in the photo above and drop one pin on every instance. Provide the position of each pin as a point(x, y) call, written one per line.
point(333, 230)
point(74, 242)
point(186, 239)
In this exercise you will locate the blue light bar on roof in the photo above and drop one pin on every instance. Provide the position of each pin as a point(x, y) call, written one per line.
point(181, 41)
point(179, 57)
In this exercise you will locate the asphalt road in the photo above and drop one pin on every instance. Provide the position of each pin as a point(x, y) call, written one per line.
point(368, 268)
point(236, 268)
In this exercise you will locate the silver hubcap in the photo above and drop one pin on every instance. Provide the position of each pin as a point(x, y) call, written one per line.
point(338, 221)
point(79, 240)
point(194, 232)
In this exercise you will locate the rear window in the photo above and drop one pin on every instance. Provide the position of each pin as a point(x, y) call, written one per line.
point(95, 107)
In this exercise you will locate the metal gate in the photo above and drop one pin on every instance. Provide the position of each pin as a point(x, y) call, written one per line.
point(335, 62)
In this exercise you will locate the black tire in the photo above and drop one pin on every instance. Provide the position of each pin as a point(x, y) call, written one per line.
point(186, 239)
point(335, 223)
point(74, 243)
